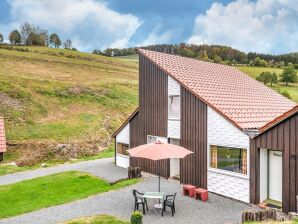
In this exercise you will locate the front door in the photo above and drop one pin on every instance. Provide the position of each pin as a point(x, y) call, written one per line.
point(275, 175)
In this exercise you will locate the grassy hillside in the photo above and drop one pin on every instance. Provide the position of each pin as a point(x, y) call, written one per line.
point(62, 104)
point(292, 89)
point(51, 97)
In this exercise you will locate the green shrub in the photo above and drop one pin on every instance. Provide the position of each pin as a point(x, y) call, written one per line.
point(285, 93)
point(136, 218)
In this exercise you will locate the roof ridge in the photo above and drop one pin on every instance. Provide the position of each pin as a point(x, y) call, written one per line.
point(223, 88)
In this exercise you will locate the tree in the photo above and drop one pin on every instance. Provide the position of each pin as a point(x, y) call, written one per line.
point(273, 78)
point(217, 59)
point(55, 40)
point(34, 35)
point(67, 44)
point(260, 62)
point(1, 38)
point(15, 37)
point(289, 75)
point(264, 77)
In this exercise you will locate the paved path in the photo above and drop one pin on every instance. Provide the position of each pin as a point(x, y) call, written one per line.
point(103, 168)
point(217, 210)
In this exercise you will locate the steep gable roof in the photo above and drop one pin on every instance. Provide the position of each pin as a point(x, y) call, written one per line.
point(244, 101)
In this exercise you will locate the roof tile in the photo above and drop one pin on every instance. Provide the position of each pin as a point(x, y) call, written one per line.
point(246, 102)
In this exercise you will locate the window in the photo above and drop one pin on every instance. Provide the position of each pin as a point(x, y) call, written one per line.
point(174, 106)
point(229, 159)
point(122, 149)
point(151, 139)
point(174, 141)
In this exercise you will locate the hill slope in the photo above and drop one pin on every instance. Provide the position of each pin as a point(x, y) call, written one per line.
point(61, 104)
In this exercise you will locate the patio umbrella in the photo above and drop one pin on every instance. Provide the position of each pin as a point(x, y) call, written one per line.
point(158, 151)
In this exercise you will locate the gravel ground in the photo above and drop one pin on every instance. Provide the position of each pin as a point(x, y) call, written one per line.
point(217, 210)
point(103, 168)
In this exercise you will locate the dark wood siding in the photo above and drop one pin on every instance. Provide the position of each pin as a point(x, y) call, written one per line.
point(152, 118)
point(193, 168)
point(284, 137)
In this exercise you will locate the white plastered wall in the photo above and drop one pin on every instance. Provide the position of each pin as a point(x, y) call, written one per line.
point(122, 137)
point(174, 125)
point(222, 133)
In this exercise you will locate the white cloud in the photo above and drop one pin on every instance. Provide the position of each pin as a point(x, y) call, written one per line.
point(268, 26)
point(155, 37)
point(89, 23)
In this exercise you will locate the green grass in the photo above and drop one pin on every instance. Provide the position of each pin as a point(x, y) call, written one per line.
point(292, 89)
point(63, 96)
point(34, 194)
point(7, 169)
point(100, 219)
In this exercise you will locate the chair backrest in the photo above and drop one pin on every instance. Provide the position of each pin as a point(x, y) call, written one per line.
point(136, 194)
point(171, 197)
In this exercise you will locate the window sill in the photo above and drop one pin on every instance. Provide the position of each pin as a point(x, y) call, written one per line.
point(121, 155)
point(227, 173)
point(174, 118)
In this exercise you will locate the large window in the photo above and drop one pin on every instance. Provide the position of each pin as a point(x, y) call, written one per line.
point(229, 159)
point(122, 149)
point(174, 106)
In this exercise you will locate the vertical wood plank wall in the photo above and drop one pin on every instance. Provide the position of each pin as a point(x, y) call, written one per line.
point(193, 168)
point(152, 117)
point(284, 137)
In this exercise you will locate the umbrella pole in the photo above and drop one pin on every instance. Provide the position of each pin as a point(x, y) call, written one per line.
point(158, 182)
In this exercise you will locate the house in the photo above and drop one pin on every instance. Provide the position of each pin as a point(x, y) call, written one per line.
point(2, 139)
point(243, 134)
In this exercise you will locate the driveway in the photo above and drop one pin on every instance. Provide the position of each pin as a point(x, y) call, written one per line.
point(103, 168)
point(217, 210)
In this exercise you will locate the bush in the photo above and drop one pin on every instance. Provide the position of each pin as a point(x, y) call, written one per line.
point(286, 94)
point(136, 218)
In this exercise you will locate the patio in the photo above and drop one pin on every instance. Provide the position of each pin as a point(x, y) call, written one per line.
point(120, 203)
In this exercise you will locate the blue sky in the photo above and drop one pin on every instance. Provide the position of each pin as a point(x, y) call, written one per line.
point(265, 26)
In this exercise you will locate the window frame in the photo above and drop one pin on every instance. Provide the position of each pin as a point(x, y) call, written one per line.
point(169, 107)
point(158, 138)
point(227, 172)
point(120, 154)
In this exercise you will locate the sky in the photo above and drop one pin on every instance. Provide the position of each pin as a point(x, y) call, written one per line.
point(263, 26)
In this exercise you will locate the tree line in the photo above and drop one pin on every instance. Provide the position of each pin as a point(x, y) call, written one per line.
point(32, 35)
point(213, 53)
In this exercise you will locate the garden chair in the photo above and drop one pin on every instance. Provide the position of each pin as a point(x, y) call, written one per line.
point(169, 202)
point(139, 200)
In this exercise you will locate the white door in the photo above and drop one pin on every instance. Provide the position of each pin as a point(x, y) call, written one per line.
point(174, 167)
point(275, 175)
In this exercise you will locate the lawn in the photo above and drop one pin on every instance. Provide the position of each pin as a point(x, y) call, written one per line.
point(100, 219)
point(56, 96)
point(292, 89)
point(34, 194)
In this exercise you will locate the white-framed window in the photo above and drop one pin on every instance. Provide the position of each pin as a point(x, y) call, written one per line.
point(174, 141)
point(174, 106)
point(122, 149)
point(152, 138)
point(228, 159)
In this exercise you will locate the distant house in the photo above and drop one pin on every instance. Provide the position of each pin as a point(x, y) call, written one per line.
point(2, 139)
point(243, 134)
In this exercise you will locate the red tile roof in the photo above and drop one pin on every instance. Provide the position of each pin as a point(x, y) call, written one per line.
point(2, 136)
point(241, 99)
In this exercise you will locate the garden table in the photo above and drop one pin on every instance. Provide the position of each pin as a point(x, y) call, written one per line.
point(155, 195)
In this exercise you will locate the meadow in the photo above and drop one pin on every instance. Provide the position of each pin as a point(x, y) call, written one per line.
point(62, 104)
point(52, 96)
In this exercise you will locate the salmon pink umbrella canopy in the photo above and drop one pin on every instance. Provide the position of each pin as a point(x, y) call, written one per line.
point(158, 151)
